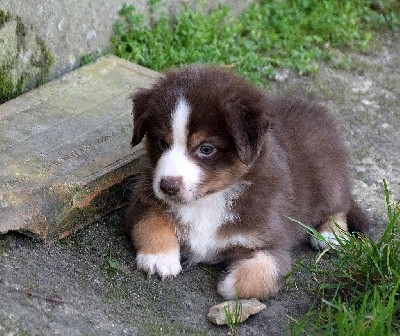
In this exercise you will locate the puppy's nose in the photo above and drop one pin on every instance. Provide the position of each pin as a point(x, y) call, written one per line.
point(171, 185)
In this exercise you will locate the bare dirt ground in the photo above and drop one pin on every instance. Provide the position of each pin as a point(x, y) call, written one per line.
point(87, 284)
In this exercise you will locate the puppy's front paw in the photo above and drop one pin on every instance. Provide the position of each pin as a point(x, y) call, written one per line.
point(257, 277)
point(163, 264)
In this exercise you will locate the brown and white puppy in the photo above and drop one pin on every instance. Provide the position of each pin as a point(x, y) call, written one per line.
point(226, 167)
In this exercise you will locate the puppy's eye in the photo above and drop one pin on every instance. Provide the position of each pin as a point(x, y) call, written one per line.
point(206, 150)
point(163, 144)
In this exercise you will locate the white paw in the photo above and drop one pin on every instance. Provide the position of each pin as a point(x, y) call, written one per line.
point(163, 264)
point(227, 287)
point(330, 241)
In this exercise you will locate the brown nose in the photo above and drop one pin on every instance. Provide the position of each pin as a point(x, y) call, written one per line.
point(171, 185)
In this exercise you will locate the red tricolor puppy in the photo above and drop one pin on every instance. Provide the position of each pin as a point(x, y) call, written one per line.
point(226, 167)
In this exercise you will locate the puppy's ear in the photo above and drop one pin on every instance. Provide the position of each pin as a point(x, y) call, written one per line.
point(140, 112)
point(248, 117)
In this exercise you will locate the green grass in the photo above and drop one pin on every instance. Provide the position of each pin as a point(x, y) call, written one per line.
point(112, 265)
point(233, 318)
point(294, 34)
point(358, 285)
point(210, 270)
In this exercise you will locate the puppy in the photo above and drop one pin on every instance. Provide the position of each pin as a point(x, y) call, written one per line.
point(226, 167)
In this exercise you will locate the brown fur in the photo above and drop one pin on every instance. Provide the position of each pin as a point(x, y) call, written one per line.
point(289, 149)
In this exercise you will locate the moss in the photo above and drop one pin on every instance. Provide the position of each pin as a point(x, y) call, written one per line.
point(4, 17)
point(13, 84)
point(77, 217)
point(7, 86)
point(21, 32)
point(45, 62)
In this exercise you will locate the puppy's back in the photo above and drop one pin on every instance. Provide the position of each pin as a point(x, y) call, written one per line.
point(317, 158)
point(307, 126)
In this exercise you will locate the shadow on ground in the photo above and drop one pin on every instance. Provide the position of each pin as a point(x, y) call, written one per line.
point(87, 284)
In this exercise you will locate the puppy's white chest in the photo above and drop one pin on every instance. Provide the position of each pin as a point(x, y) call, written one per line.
point(199, 229)
point(201, 220)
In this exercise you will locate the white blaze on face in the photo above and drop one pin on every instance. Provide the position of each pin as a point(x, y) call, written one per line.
point(175, 162)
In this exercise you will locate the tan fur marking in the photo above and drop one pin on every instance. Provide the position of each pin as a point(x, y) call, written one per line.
point(329, 226)
point(196, 139)
point(257, 277)
point(168, 137)
point(155, 234)
point(220, 180)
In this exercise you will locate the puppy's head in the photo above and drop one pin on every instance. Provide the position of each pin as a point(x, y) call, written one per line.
point(204, 128)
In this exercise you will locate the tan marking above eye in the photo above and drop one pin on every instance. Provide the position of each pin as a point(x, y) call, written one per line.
point(196, 139)
point(168, 137)
point(162, 133)
point(201, 137)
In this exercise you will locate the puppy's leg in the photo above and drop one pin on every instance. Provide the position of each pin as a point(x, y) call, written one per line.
point(257, 277)
point(157, 245)
point(329, 230)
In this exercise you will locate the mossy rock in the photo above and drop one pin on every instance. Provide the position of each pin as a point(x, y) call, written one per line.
point(25, 60)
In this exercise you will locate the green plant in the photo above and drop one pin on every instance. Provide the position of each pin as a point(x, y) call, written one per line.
point(358, 285)
point(90, 58)
point(112, 265)
point(233, 318)
point(211, 270)
point(64, 241)
point(267, 35)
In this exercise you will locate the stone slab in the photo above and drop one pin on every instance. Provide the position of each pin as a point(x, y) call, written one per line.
point(64, 149)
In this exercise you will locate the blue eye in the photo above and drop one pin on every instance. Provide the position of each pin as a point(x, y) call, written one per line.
point(205, 150)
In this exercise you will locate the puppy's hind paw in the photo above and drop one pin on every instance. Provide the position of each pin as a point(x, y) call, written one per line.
point(330, 240)
point(334, 232)
point(164, 264)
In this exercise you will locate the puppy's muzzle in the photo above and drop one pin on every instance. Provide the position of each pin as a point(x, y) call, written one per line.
point(171, 185)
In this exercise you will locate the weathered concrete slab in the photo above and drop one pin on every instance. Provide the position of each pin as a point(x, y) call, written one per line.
point(64, 149)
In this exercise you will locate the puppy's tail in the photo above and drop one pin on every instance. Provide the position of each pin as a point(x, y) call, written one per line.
point(357, 220)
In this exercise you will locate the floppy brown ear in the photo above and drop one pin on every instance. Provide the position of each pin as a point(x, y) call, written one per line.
point(140, 112)
point(248, 119)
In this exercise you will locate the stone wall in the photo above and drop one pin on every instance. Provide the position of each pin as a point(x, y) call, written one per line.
point(59, 32)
